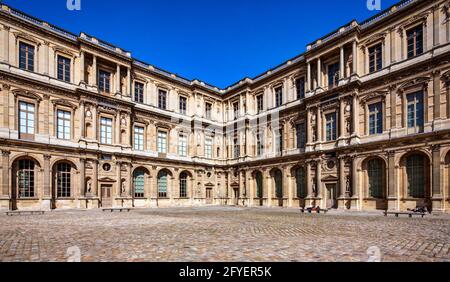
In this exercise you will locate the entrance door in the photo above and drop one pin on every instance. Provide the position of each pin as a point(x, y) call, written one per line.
point(236, 197)
point(332, 196)
point(106, 196)
point(209, 199)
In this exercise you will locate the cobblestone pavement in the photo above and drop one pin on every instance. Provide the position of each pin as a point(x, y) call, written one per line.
point(222, 234)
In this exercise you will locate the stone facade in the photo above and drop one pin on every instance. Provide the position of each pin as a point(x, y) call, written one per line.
point(360, 121)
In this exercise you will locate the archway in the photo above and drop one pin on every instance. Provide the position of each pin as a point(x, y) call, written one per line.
point(258, 178)
point(63, 181)
point(416, 175)
point(375, 182)
point(24, 180)
point(277, 177)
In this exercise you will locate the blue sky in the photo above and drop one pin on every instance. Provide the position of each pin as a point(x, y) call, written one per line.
point(217, 41)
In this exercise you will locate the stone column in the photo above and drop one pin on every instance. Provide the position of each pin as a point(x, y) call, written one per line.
point(6, 43)
point(308, 127)
point(82, 120)
point(318, 178)
point(436, 25)
point(119, 192)
point(308, 180)
point(393, 96)
point(82, 184)
point(117, 133)
point(355, 112)
point(128, 88)
point(319, 124)
point(437, 182)
point(341, 118)
point(342, 177)
point(392, 180)
point(341, 63)
point(308, 77)
point(5, 174)
point(118, 80)
point(437, 94)
point(319, 73)
point(95, 178)
point(355, 178)
point(82, 68)
point(47, 177)
point(288, 186)
point(94, 71)
point(355, 58)
point(45, 63)
point(268, 181)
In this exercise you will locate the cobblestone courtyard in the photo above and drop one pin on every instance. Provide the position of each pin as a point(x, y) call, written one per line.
point(222, 234)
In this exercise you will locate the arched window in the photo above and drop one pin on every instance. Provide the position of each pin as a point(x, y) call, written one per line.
point(278, 184)
point(300, 178)
point(162, 184)
point(26, 179)
point(183, 185)
point(375, 173)
point(415, 170)
point(63, 180)
point(138, 183)
point(259, 185)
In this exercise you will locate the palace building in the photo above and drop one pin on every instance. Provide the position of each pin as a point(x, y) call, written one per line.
point(359, 121)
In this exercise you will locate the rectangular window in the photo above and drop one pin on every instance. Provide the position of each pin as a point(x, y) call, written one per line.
point(331, 129)
point(208, 110)
point(63, 68)
point(375, 58)
point(162, 99)
point(182, 145)
point(236, 149)
point(301, 136)
point(278, 97)
point(415, 41)
point(139, 138)
point(259, 103)
point(279, 141)
point(333, 75)
point(26, 120)
point(183, 105)
point(236, 110)
point(139, 92)
point(208, 148)
point(375, 119)
point(26, 56)
point(300, 87)
point(106, 131)
point(104, 81)
point(63, 125)
point(415, 112)
point(259, 144)
point(162, 142)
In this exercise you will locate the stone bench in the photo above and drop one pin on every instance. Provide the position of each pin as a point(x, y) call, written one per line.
point(11, 213)
point(117, 209)
point(409, 214)
point(310, 210)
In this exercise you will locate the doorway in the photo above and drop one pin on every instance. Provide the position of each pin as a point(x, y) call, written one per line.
point(236, 196)
point(209, 198)
point(106, 196)
point(332, 196)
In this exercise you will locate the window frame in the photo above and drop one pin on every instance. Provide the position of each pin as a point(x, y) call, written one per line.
point(300, 88)
point(334, 130)
point(64, 74)
point(369, 114)
point(140, 145)
point(377, 57)
point(259, 103)
point(183, 106)
point(278, 90)
point(415, 51)
point(182, 146)
point(63, 191)
point(160, 145)
point(35, 46)
point(106, 89)
point(100, 119)
point(139, 97)
point(162, 99)
point(71, 122)
point(26, 135)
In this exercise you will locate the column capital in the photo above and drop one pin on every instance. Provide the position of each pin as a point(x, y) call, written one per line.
point(47, 157)
point(6, 153)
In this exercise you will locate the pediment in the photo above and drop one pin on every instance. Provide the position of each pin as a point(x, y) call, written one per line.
point(107, 179)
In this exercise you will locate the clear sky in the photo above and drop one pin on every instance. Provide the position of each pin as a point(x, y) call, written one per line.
point(217, 41)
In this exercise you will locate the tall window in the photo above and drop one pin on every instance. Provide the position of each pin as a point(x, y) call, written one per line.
point(162, 184)
point(301, 183)
point(259, 103)
point(415, 112)
point(279, 140)
point(208, 148)
point(259, 185)
point(26, 120)
point(104, 81)
point(236, 149)
point(162, 99)
point(64, 125)
point(183, 185)
point(182, 145)
point(139, 183)
point(63, 180)
point(236, 110)
point(376, 118)
point(25, 179)
point(106, 130)
point(183, 105)
point(208, 110)
point(278, 177)
point(26, 56)
point(139, 92)
point(300, 87)
point(415, 41)
point(139, 138)
point(375, 58)
point(63, 68)
point(331, 129)
point(333, 75)
point(375, 173)
point(279, 96)
point(301, 135)
point(162, 142)
point(415, 169)
point(259, 144)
